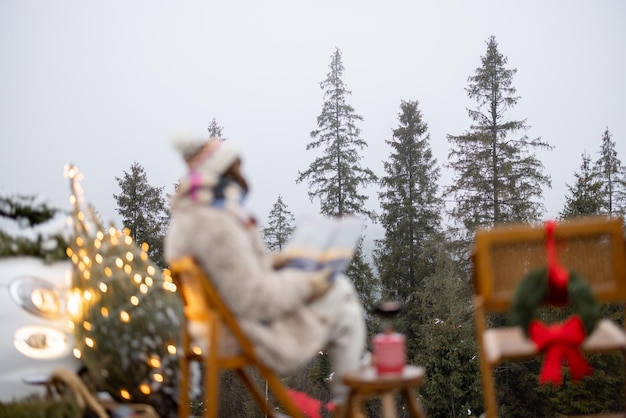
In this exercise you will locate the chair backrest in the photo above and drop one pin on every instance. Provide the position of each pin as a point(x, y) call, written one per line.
point(201, 300)
point(593, 247)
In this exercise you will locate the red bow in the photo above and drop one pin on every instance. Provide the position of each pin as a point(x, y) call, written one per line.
point(560, 342)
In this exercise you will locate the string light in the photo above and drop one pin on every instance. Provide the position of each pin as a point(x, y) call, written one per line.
point(125, 276)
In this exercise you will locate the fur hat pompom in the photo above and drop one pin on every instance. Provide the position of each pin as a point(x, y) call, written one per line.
point(212, 157)
point(188, 144)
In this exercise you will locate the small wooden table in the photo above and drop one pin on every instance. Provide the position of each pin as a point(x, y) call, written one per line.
point(366, 383)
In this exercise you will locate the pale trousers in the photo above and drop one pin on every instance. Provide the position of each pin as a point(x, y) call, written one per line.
point(341, 307)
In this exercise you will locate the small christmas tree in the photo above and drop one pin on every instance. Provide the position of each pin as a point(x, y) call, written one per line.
point(126, 314)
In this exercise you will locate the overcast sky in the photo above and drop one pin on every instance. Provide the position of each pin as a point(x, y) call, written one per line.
point(104, 84)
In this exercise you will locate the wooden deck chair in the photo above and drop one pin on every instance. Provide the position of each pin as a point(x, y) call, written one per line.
point(203, 304)
point(64, 383)
point(503, 255)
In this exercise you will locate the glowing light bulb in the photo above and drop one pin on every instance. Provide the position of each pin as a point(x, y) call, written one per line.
point(125, 394)
point(124, 316)
point(154, 362)
point(90, 342)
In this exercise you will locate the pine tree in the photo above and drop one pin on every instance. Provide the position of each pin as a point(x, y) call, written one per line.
point(32, 227)
point(498, 178)
point(281, 226)
point(215, 130)
point(585, 196)
point(611, 173)
point(336, 177)
point(143, 211)
point(411, 208)
point(446, 346)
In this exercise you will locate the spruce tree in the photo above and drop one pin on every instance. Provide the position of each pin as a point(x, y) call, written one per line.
point(585, 196)
point(281, 226)
point(215, 130)
point(30, 226)
point(610, 171)
point(411, 208)
point(143, 210)
point(498, 178)
point(446, 346)
point(336, 177)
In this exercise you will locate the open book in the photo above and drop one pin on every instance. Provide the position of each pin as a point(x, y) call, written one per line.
point(320, 242)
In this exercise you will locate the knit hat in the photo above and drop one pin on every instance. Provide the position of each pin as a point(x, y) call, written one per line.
point(211, 158)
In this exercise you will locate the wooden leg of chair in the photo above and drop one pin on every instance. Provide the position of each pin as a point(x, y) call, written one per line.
point(491, 408)
point(212, 373)
point(279, 392)
point(489, 395)
point(624, 360)
point(414, 405)
point(184, 410)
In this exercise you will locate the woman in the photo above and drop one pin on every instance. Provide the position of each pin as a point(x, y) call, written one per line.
point(288, 314)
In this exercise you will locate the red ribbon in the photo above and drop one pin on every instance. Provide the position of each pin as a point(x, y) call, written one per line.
point(561, 343)
point(558, 276)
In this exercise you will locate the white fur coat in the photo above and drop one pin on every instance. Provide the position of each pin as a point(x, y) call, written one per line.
point(270, 305)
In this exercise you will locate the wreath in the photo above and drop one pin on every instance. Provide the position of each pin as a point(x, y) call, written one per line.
point(555, 285)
